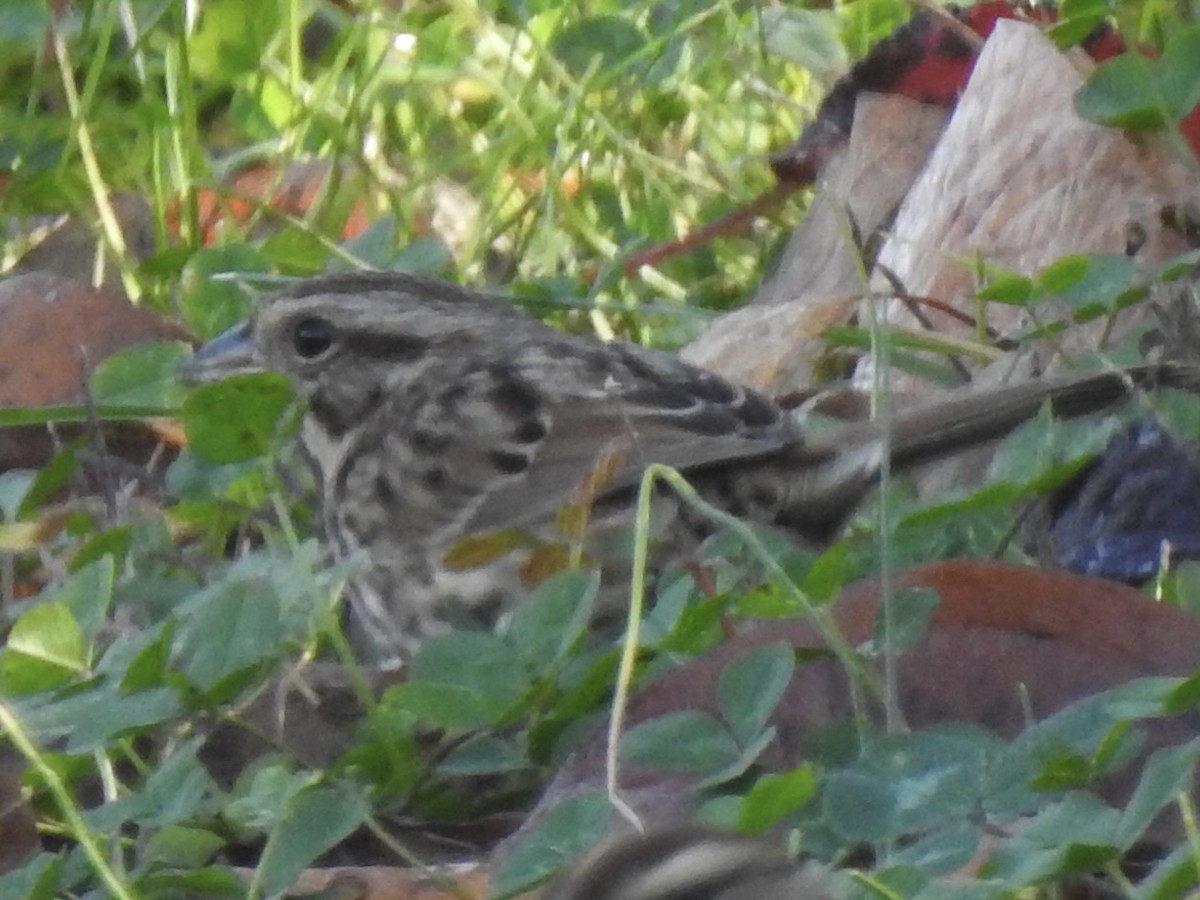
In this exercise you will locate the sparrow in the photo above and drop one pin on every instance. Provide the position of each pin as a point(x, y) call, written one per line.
point(435, 414)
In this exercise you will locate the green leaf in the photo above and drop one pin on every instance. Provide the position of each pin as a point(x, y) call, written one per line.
point(92, 717)
point(1142, 698)
point(183, 846)
point(586, 684)
point(380, 247)
point(1185, 695)
point(45, 649)
point(1107, 280)
point(233, 626)
point(428, 254)
point(479, 663)
point(1015, 290)
point(236, 419)
point(859, 806)
point(1123, 92)
point(38, 879)
point(314, 820)
point(211, 299)
point(1074, 29)
point(1113, 751)
point(178, 789)
point(936, 776)
point(266, 793)
point(904, 622)
point(601, 41)
point(808, 37)
point(1177, 266)
point(571, 827)
point(376, 246)
point(449, 706)
point(1070, 9)
point(140, 660)
point(684, 741)
point(1066, 770)
point(71, 414)
point(828, 574)
point(546, 625)
point(1167, 774)
point(733, 770)
point(1070, 837)
point(1043, 452)
point(1172, 878)
point(751, 686)
point(296, 251)
point(462, 681)
point(1179, 70)
point(88, 594)
point(698, 623)
point(231, 38)
point(52, 477)
point(143, 375)
point(1063, 273)
point(1056, 753)
point(112, 544)
point(943, 851)
point(775, 796)
point(15, 485)
point(484, 754)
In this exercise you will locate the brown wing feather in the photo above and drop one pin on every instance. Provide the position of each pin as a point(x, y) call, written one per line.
point(581, 438)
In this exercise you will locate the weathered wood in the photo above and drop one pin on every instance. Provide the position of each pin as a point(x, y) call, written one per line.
point(1017, 180)
point(1020, 180)
point(820, 278)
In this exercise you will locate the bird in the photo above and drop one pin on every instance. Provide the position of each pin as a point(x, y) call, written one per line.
point(1131, 511)
point(435, 413)
point(689, 861)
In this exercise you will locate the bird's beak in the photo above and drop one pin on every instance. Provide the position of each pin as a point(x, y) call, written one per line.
point(230, 353)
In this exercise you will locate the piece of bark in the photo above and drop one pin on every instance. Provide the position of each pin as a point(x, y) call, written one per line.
point(1006, 643)
point(56, 331)
point(858, 191)
point(1019, 180)
point(820, 278)
point(70, 247)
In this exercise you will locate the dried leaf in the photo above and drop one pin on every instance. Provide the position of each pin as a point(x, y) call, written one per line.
point(477, 550)
point(544, 561)
point(572, 519)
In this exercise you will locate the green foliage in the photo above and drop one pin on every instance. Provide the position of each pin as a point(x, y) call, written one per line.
point(570, 829)
point(559, 139)
point(1135, 92)
point(236, 419)
point(570, 137)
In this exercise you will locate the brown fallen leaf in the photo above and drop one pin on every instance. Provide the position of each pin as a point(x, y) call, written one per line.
point(386, 883)
point(56, 330)
point(19, 838)
point(1005, 643)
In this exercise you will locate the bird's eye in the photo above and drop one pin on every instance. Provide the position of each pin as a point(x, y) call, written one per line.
point(312, 336)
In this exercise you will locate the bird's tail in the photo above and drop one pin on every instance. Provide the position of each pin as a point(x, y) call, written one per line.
point(837, 467)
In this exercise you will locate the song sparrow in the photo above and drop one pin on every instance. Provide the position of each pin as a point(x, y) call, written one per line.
point(435, 412)
point(688, 862)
